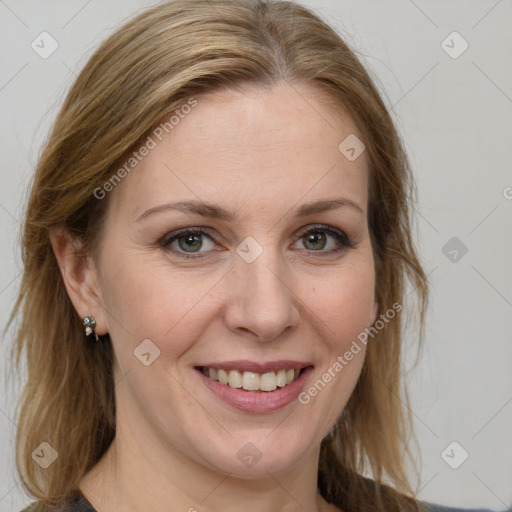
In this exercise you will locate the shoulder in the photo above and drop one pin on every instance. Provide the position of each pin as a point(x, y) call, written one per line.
point(78, 504)
point(433, 507)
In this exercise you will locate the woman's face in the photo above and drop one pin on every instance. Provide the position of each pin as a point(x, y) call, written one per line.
point(271, 286)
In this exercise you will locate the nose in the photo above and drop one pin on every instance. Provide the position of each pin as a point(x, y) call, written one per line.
point(261, 301)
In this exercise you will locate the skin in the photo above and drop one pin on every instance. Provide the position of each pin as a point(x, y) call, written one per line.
point(262, 154)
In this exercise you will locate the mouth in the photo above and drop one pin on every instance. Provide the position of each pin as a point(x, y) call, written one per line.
point(253, 381)
point(254, 387)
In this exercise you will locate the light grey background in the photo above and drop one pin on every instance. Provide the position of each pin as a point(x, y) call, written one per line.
point(455, 115)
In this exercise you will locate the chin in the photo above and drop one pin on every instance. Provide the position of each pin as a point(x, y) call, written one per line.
point(253, 460)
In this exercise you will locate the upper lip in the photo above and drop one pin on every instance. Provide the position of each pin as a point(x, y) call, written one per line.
point(253, 366)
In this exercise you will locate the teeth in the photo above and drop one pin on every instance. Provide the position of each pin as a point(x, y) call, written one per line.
point(235, 379)
point(281, 378)
point(251, 381)
point(268, 381)
point(223, 377)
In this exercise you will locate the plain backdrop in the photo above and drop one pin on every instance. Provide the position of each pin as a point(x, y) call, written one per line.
point(453, 106)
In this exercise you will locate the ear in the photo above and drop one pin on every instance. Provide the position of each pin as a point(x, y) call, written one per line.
point(375, 311)
point(80, 277)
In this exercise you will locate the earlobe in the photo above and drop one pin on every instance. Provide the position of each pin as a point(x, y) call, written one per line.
point(79, 276)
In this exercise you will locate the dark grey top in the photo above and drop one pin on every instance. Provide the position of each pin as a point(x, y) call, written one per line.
point(81, 504)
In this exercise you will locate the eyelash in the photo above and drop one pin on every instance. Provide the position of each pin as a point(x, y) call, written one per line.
point(340, 236)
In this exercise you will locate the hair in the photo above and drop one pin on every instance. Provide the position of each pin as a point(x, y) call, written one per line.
point(145, 70)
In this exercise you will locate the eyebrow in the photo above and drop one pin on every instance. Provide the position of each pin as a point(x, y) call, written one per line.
point(214, 211)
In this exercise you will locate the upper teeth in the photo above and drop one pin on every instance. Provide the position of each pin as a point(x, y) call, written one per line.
point(251, 381)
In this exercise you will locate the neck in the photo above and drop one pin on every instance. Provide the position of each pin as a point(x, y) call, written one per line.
point(133, 476)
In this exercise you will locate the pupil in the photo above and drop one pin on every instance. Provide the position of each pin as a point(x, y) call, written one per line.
point(191, 241)
point(315, 239)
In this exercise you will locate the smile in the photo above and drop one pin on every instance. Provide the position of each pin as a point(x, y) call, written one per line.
point(255, 387)
point(252, 381)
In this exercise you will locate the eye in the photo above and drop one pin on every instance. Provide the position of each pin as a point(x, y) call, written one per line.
point(316, 239)
point(188, 241)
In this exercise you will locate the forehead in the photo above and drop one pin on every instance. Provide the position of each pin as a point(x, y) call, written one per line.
point(251, 118)
point(240, 144)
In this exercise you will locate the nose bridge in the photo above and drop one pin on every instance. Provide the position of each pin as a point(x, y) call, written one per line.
point(261, 299)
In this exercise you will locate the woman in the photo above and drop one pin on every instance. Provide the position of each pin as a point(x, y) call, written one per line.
point(216, 248)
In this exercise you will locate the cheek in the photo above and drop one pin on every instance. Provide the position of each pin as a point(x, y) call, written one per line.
point(344, 301)
point(154, 302)
point(341, 309)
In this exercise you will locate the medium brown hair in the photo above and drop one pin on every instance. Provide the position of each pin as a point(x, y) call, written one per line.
point(146, 69)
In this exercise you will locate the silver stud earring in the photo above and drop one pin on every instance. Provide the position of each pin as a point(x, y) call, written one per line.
point(90, 324)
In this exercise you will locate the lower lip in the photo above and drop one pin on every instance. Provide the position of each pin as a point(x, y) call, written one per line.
point(258, 401)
